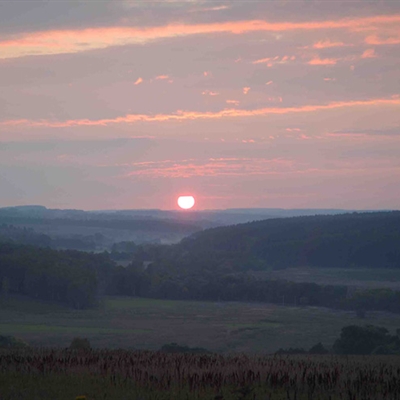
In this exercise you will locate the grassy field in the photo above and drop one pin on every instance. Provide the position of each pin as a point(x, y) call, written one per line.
point(358, 277)
point(47, 374)
point(138, 323)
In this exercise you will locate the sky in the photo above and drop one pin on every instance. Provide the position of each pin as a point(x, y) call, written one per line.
point(128, 104)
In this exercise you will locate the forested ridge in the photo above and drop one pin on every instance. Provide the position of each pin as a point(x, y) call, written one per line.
point(217, 264)
point(347, 240)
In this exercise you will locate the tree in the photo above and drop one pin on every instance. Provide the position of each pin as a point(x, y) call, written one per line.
point(318, 349)
point(360, 340)
point(12, 342)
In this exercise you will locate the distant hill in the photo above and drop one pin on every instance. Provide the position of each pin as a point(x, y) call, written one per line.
point(347, 240)
point(83, 230)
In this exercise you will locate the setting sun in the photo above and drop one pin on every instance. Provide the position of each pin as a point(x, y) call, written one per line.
point(186, 202)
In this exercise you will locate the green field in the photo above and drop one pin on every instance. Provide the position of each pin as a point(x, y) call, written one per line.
point(138, 323)
point(357, 277)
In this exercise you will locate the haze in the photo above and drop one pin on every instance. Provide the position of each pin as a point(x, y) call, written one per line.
point(240, 104)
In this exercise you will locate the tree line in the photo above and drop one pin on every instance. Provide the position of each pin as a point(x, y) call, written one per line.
point(69, 277)
point(78, 279)
point(217, 264)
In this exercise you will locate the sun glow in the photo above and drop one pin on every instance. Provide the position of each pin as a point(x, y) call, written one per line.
point(186, 202)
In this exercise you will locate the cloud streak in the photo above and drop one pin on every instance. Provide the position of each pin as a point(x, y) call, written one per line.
point(196, 115)
point(211, 167)
point(74, 41)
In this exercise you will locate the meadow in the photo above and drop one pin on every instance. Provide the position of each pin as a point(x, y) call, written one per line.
point(40, 374)
point(358, 277)
point(148, 324)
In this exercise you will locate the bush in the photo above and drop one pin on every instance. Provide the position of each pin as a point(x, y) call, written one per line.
point(79, 343)
point(318, 349)
point(12, 342)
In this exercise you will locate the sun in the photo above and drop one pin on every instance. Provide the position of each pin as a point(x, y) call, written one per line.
point(186, 202)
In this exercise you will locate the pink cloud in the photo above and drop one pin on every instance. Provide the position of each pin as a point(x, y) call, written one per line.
point(376, 40)
point(270, 61)
point(160, 77)
point(246, 90)
point(218, 8)
point(261, 61)
point(210, 93)
point(78, 40)
point(326, 44)
point(234, 102)
point(138, 81)
point(369, 53)
point(269, 82)
point(212, 167)
point(324, 61)
point(196, 115)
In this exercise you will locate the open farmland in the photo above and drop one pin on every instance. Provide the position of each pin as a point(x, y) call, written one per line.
point(366, 278)
point(141, 323)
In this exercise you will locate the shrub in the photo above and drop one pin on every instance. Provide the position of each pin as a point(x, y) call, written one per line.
point(318, 349)
point(12, 342)
point(79, 343)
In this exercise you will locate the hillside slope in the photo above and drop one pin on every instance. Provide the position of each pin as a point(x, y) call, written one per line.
point(350, 240)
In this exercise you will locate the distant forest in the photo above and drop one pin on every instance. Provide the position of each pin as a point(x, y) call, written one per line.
point(216, 264)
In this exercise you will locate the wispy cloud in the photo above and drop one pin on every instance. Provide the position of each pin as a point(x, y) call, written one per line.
point(210, 167)
point(369, 53)
point(196, 115)
point(270, 61)
point(246, 90)
point(262, 61)
point(217, 8)
point(326, 44)
point(160, 77)
point(209, 93)
point(73, 41)
point(376, 40)
point(138, 81)
point(323, 61)
point(395, 132)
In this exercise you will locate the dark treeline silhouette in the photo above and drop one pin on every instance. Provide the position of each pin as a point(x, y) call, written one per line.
point(132, 281)
point(78, 279)
point(70, 277)
point(339, 241)
point(216, 265)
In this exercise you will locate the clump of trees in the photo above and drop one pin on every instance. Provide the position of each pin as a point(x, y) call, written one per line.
point(12, 342)
point(357, 340)
point(69, 277)
point(316, 349)
point(369, 339)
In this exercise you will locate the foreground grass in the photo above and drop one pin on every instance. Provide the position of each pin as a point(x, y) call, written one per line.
point(49, 374)
point(138, 323)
